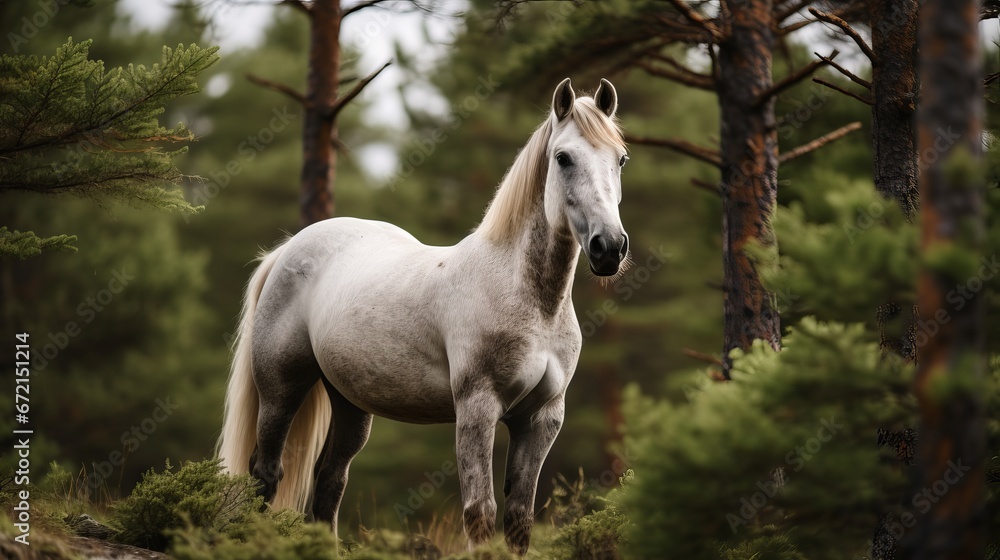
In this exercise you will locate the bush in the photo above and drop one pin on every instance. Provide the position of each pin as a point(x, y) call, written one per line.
point(197, 496)
point(772, 452)
point(264, 538)
point(597, 536)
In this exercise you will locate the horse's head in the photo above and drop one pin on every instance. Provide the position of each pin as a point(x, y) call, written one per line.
point(583, 187)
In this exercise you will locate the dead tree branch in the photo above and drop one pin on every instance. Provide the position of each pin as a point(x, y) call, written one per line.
point(846, 28)
point(819, 142)
point(681, 146)
point(278, 87)
point(794, 78)
point(864, 99)
point(851, 75)
point(343, 101)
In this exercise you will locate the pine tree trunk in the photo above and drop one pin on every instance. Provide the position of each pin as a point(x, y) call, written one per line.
point(319, 157)
point(894, 92)
point(749, 173)
point(950, 356)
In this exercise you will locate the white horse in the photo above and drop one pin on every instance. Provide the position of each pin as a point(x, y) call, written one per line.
point(351, 318)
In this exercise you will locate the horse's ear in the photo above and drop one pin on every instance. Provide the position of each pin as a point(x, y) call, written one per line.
point(606, 98)
point(563, 99)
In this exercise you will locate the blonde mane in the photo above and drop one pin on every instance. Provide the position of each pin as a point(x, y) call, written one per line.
point(525, 179)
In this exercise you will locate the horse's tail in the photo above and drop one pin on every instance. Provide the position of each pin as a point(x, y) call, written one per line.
point(239, 428)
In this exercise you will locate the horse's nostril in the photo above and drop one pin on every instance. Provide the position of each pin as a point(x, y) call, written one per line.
point(597, 246)
point(624, 249)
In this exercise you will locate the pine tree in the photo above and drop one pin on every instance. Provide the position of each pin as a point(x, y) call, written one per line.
point(740, 38)
point(71, 126)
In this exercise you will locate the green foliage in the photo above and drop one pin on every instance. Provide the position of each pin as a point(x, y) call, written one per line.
point(262, 539)
point(597, 536)
point(70, 126)
point(763, 548)
point(198, 495)
point(830, 245)
point(769, 451)
point(24, 244)
point(107, 121)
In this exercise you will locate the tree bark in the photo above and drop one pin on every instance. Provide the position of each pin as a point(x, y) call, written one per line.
point(749, 172)
point(894, 96)
point(320, 127)
point(950, 361)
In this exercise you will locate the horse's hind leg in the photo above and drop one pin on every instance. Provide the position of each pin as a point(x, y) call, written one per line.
point(284, 378)
point(349, 429)
point(530, 441)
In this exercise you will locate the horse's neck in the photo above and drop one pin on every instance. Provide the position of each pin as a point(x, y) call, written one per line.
point(548, 261)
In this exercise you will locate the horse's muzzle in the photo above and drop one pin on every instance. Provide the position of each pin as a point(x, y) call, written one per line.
point(606, 253)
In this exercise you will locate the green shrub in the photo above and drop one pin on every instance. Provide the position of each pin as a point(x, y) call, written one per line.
point(774, 451)
point(266, 537)
point(199, 495)
point(763, 548)
point(597, 536)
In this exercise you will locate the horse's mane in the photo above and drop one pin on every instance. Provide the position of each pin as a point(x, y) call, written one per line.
point(526, 177)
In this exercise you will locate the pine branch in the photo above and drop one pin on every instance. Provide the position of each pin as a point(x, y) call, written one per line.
point(691, 79)
point(343, 101)
point(846, 28)
point(795, 26)
point(25, 244)
point(697, 19)
point(361, 6)
point(835, 87)
point(279, 87)
point(819, 142)
point(793, 78)
point(702, 356)
point(791, 10)
point(706, 186)
point(681, 146)
point(854, 78)
point(298, 5)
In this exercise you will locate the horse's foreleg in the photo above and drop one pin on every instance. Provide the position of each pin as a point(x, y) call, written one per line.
point(349, 429)
point(476, 417)
point(530, 441)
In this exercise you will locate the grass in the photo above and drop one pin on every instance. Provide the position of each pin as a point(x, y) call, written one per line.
point(196, 512)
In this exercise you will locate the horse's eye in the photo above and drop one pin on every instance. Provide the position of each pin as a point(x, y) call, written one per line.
point(621, 162)
point(563, 160)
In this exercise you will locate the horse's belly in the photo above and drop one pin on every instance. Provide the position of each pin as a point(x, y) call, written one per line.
point(390, 379)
